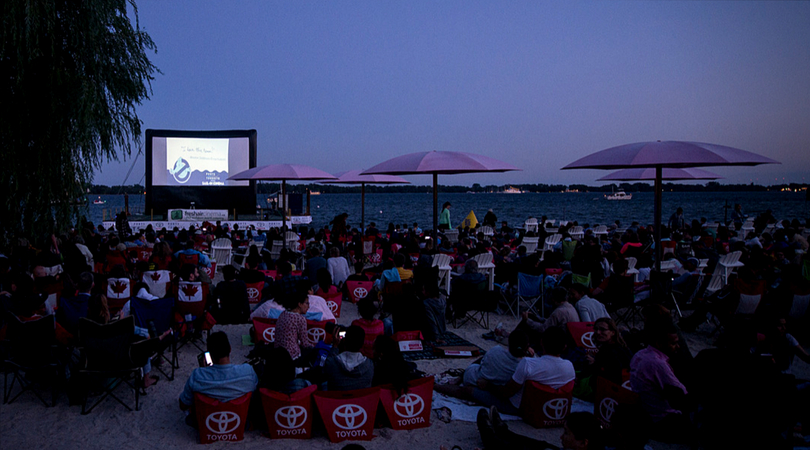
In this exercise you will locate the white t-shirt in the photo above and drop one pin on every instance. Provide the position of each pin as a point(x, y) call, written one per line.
point(551, 371)
point(590, 309)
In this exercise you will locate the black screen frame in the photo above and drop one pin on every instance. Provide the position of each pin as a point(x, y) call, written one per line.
point(159, 199)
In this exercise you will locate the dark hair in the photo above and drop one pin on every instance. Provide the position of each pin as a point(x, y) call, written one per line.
point(284, 268)
point(558, 295)
point(617, 336)
point(585, 425)
point(662, 331)
point(118, 271)
point(218, 345)
point(518, 343)
point(366, 309)
point(298, 295)
point(229, 272)
point(186, 270)
point(399, 260)
point(253, 260)
point(97, 309)
point(353, 447)
point(354, 340)
point(620, 266)
point(579, 288)
point(324, 279)
point(386, 347)
point(85, 282)
point(554, 341)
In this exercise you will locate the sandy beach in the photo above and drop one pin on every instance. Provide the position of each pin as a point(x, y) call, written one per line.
point(160, 423)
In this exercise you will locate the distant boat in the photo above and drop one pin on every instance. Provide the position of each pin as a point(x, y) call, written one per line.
point(512, 190)
point(99, 201)
point(620, 195)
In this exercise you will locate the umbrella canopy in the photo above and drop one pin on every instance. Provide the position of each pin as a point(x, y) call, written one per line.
point(354, 177)
point(677, 154)
point(283, 172)
point(436, 163)
point(439, 163)
point(667, 154)
point(667, 174)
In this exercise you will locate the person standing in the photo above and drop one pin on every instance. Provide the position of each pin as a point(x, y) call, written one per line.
point(490, 219)
point(676, 221)
point(444, 217)
point(737, 216)
point(338, 228)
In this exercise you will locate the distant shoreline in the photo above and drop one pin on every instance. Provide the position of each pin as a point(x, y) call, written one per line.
point(269, 188)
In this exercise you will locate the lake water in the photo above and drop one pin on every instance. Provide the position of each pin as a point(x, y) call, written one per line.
point(515, 208)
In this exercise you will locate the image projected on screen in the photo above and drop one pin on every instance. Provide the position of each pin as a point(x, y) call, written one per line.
point(196, 162)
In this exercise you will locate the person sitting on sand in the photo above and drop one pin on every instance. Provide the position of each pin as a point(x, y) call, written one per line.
point(188, 250)
point(612, 357)
point(550, 370)
point(492, 372)
point(346, 368)
point(435, 306)
point(373, 327)
point(589, 309)
point(221, 381)
point(291, 327)
point(399, 263)
point(563, 313)
point(661, 394)
point(338, 267)
point(230, 303)
point(390, 366)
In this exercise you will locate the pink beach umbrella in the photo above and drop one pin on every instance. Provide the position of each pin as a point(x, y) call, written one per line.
point(283, 172)
point(436, 163)
point(668, 174)
point(354, 177)
point(659, 155)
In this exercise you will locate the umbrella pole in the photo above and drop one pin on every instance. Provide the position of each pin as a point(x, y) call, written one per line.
point(284, 214)
point(657, 212)
point(435, 210)
point(362, 207)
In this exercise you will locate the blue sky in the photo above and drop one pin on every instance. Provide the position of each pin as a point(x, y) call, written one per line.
point(344, 85)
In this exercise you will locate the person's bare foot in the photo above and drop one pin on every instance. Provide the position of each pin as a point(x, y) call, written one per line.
point(149, 380)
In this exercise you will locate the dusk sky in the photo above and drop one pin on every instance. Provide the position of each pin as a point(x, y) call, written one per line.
point(344, 85)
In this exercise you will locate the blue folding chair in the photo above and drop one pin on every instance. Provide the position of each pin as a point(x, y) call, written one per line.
point(156, 316)
point(529, 293)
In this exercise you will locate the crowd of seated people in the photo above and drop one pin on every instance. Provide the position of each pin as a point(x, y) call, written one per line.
point(407, 297)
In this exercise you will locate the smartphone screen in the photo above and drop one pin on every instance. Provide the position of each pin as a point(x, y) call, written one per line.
point(342, 334)
point(204, 359)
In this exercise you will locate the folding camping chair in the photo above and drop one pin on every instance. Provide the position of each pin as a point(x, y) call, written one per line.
point(32, 357)
point(107, 355)
point(475, 300)
point(156, 316)
point(529, 293)
point(191, 300)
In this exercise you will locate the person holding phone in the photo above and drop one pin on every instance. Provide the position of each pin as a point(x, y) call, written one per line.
point(346, 368)
point(220, 380)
